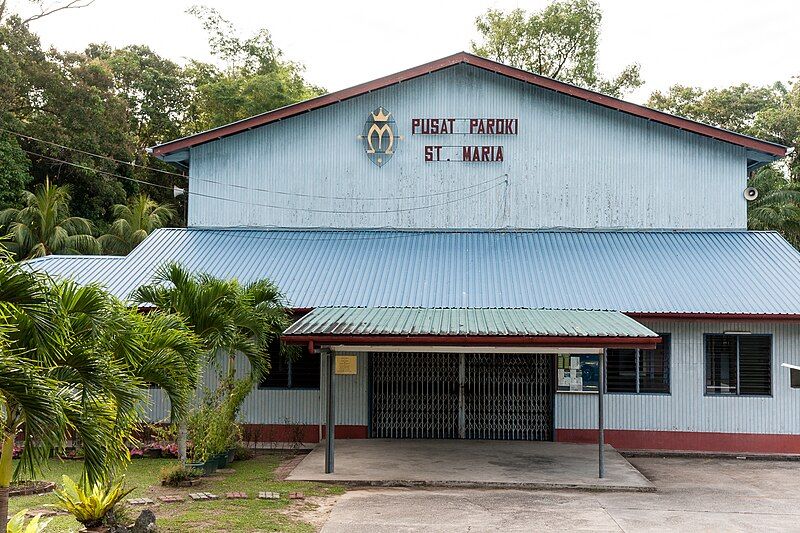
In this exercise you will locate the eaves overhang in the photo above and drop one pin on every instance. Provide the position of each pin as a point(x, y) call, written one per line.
point(770, 149)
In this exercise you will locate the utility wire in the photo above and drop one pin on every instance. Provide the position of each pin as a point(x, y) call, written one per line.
point(272, 206)
point(245, 187)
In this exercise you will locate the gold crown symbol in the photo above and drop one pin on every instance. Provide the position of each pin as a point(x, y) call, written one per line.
point(382, 116)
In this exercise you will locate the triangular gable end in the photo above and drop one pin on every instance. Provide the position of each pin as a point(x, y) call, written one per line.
point(177, 150)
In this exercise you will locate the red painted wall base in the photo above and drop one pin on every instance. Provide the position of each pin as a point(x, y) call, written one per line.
point(686, 440)
point(620, 439)
point(297, 432)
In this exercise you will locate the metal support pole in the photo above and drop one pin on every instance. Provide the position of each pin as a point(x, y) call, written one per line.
point(330, 422)
point(600, 422)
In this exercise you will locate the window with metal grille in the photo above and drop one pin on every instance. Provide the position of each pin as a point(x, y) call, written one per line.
point(301, 373)
point(739, 364)
point(639, 371)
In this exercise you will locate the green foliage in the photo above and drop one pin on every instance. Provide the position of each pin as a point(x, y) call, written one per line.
point(229, 317)
point(14, 175)
point(777, 206)
point(560, 41)
point(90, 506)
point(17, 524)
point(75, 361)
point(44, 226)
point(213, 426)
point(118, 101)
point(770, 112)
point(254, 78)
point(134, 222)
point(174, 475)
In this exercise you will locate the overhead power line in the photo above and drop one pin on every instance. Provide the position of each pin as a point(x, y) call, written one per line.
point(271, 206)
point(248, 188)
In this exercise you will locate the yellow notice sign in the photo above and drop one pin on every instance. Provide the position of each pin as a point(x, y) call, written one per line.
point(346, 364)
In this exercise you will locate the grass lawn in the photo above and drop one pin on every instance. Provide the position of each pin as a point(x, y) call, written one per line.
point(251, 476)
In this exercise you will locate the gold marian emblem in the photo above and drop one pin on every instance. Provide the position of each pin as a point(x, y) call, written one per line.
point(380, 136)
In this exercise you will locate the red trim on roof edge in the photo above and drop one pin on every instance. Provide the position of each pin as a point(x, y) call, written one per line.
point(716, 316)
point(477, 340)
point(487, 64)
point(300, 311)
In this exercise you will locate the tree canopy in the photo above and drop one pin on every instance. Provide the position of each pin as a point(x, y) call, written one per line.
point(560, 41)
point(116, 102)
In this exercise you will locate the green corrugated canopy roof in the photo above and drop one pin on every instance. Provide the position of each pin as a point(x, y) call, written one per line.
point(407, 322)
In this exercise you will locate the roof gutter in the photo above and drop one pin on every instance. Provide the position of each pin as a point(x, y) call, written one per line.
point(789, 317)
point(474, 340)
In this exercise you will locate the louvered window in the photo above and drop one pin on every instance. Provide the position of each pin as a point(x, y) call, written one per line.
point(739, 364)
point(639, 371)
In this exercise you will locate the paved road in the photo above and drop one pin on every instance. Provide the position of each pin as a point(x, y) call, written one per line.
point(692, 495)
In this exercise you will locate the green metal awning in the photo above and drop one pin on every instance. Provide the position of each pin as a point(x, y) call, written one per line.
point(430, 326)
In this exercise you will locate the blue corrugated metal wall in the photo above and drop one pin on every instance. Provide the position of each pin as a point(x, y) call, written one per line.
point(685, 409)
point(573, 164)
point(282, 406)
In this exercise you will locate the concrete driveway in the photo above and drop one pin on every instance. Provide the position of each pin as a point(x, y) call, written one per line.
point(692, 495)
point(483, 463)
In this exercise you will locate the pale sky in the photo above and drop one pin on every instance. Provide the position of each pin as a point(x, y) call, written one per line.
point(699, 42)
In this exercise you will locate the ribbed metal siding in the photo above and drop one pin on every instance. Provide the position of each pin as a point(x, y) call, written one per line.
point(655, 272)
point(687, 409)
point(81, 269)
point(274, 406)
point(481, 322)
point(573, 164)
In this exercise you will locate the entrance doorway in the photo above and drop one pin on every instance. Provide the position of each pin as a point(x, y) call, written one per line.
point(469, 396)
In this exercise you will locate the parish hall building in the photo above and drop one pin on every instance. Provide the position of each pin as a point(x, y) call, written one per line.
point(478, 252)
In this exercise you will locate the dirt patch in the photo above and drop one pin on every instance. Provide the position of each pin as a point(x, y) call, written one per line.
point(288, 464)
point(314, 510)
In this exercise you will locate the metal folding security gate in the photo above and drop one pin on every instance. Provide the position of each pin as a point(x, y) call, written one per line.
point(474, 396)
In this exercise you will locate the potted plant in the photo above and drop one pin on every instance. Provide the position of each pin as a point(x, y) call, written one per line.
point(90, 506)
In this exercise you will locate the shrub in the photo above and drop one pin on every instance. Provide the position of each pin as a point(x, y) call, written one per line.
point(212, 426)
point(90, 506)
point(243, 453)
point(174, 475)
point(16, 524)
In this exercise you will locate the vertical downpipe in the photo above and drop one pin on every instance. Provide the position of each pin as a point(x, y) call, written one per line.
point(331, 423)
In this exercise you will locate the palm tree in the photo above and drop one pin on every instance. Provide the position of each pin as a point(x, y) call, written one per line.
point(159, 349)
point(228, 317)
point(42, 385)
point(75, 361)
point(134, 222)
point(44, 227)
point(777, 206)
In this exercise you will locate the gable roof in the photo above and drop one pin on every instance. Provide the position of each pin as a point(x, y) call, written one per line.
point(772, 149)
point(694, 273)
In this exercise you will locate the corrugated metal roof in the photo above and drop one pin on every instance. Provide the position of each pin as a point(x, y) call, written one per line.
point(735, 272)
point(82, 269)
point(411, 322)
